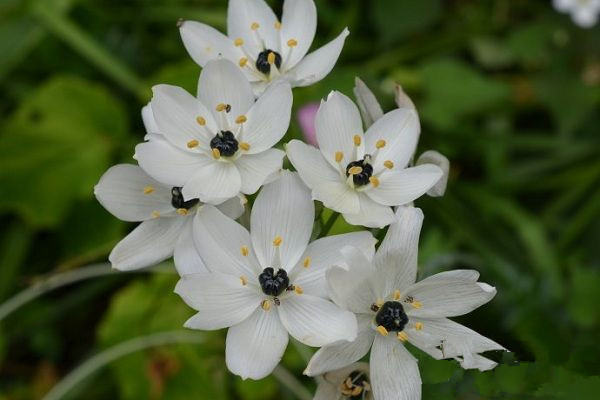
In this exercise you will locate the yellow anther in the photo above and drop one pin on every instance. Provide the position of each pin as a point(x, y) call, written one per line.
point(292, 43)
point(244, 280)
point(382, 331)
point(306, 262)
point(243, 61)
point(356, 391)
point(245, 146)
point(266, 305)
point(402, 336)
point(417, 304)
point(221, 107)
point(357, 140)
point(374, 181)
point(277, 25)
point(182, 211)
point(271, 58)
point(339, 156)
point(298, 289)
point(418, 326)
point(379, 303)
point(245, 250)
point(254, 26)
point(192, 143)
point(388, 164)
point(380, 144)
point(201, 121)
point(238, 42)
point(355, 170)
point(277, 241)
point(148, 189)
point(216, 154)
point(241, 119)
point(397, 295)
point(155, 214)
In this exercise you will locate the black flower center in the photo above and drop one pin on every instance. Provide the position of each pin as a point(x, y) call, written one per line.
point(225, 142)
point(273, 284)
point(391, 316)
point(355, 385)
point(177, 199)
point(262, 61)
point(362, 178)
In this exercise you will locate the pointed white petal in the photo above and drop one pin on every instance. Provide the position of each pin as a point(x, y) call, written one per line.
point(327, 391)
point(217, 180)
point(369, 106)
point(475, 361)
point(149, 121)
point(457, 274)
point(394, 371)
point(315, 321)
point(233, 207)
point(337, 196)
point(317, 64)
point(255, 346)
point(340, 354)
point(219, 241)
point(435, 158)
point(205, 43)
point(298, 22)
point(401, 98)
point(405, 185)
point(370, 214)
point(282, 209)
point(186, 257)
point(310, 164)
point(220, 299)
point(130, 194)
point(150, 243)
point(241, 14)
point(254, 169)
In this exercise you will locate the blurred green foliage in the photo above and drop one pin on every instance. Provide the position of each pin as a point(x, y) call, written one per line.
point(508, 90)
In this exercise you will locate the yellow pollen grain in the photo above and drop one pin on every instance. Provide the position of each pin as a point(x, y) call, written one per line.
point(148, 189)
point(201, 121)
point(357, 140)
point(388, 164)
point(277, 241)
point(216, 154)
point(418, 326)
point(402, 336)
point(254, 26)
point(397, 295)
point(241, 119)
point(417, 304)
point(382, 331)
point(192, 143)
point(355, 170)
point(380, 144)
point(245, 146)
point(271, 58)
point(244, 280)
point(339, 156)
point(245, 250)
point(238, 42)
point(298, 289)
point(306, 262)
point(379, 303)
point(266, 305)
point(374, 181)
point(243, 61)
point(155, 214)
point(277, 25)
point(356, 391)
point(182, 211)
point(221, 107)
point(292, 43)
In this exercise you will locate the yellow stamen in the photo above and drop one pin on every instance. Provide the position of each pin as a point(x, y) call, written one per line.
point(355, 170)
point(245, 146)
point(241, 119)
point(418, 326)
point(201, 121)
point(221, 107)
point(245, 250)
point(277, 25)
point(271, 58)
point(417, 304)
point(356, 391)
point(339, 156)
point(306, 262)
point(357, 140)
point(397, 295)
point(374, 181)
point(379, 303)
point(182, 211)
point(243, 61)
point(402, 336)
point(216, 154)
point(266, 305)
point(244, 280)
point(380, 144)
point(277, 241)
point(382, 331)
point(238, 42)
point(192, 143)
point(388, 164)
point(254, 26)
point(292, 43)
point(155, 214)
point(148, 189)
point(298, 289)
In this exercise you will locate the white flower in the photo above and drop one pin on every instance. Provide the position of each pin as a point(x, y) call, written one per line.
point(264, 48)
point(219, 144)
point(362, 176)
point(392, 309)
point(583, 12)
point(270, 282)
point(128, 193)
point(351, 382)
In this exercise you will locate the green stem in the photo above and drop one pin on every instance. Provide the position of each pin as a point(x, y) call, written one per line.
point(287, 379)
point(329, 224)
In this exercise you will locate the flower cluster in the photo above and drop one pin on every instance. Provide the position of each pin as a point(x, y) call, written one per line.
point(269, 279)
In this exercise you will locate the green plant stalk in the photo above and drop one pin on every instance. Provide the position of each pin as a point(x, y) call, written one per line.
point(329, 224)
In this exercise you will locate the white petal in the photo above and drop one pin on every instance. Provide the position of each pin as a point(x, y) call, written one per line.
point(219, 241)
point(168, 164)
point(221, 81)
point(186, 257)
point(149, 121)
point(220, 299)
point(337, 196)
point(563, 5)
point(175, 112)
point(337, 122)
point(338, 355)
point(585, 17)
point(282, 209)
point(310, 164)
point(457, 274)
point(122, 191)
point(394, 371)
point(475, 361)
point(241, 14)
point(254, 169)
point(233, 207)
point(205, 43)
point(405, 185)
point(217, 180)
point(400, 129)
point(317, 64)
point(401, 99)
point(299, 22)
point(150, 243)
point(324, 253)
point(396, 258)
point(327, 391)
point(370, 214)
point(255, 346)
point(268, 118)
point(369, 106)
point(435, 158)
point(315, 321)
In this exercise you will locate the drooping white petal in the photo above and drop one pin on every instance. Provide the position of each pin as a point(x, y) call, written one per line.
point(130, 194)
point(394, 371)
point(323, 253)
point(255, 346)
point(217, 180)
point(337, 122)
point(475, 361)
point(404, 185)
point(436, 158)
point(340, 354)
point(222, 300)
point(315, 321)
point(337, 196)
point(317, 64)
point(396, 258)
point(242, 14)
point(298, 22)
point(150, 243)
point(149, 121)
point(233, 207)
point(367, 103)
point(283, 209)
point(370, 213)
point(400, 130)
point(186, 257)
point(205, 43)
point(310, 164)
point(220, 240)
point(222, 82)
point(254, 169)
point(268, 118)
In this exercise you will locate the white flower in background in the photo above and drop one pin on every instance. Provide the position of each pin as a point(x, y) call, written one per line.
point(392, 309)
point(583, 12)
point(262, 46)
point(269, 282)
point(362, 176)
point(128, 193)
point(349, 383)
point(218, 144)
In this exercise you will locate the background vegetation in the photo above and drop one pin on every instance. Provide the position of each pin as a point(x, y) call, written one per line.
point(508, 90)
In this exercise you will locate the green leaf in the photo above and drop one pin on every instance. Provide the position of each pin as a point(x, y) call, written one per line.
point(584, 296)
point(397, 19)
